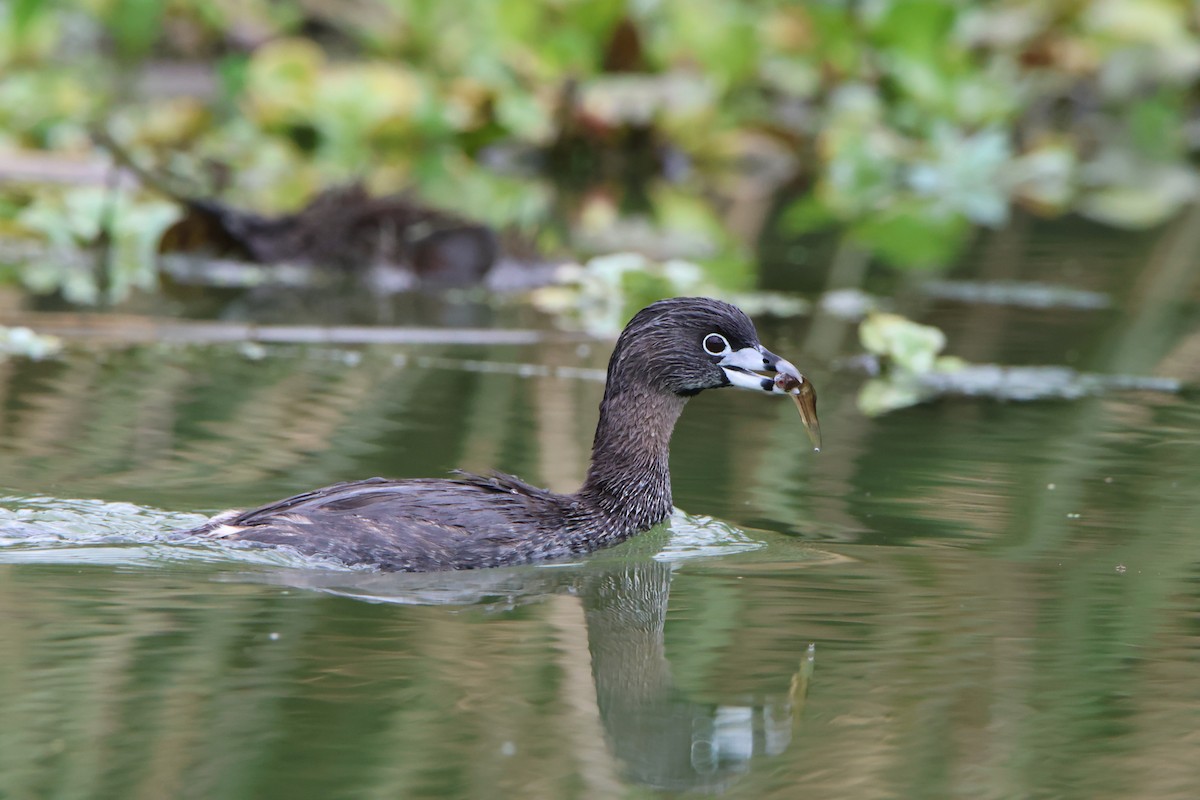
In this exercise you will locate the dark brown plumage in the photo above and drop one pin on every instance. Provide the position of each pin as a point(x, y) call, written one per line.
point(668, 352)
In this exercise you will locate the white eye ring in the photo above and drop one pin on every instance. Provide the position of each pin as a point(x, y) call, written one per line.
point(716, 345)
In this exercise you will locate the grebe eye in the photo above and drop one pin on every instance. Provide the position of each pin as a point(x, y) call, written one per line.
point(716, 345)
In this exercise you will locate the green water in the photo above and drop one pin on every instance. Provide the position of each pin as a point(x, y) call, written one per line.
point(963, 599)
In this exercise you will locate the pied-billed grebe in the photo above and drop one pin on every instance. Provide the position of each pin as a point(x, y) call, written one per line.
point(668, 352)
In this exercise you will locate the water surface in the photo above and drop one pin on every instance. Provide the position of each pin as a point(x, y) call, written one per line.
point(966, 598)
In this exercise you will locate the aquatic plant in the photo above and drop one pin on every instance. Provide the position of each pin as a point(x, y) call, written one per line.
point(912, 123)
point(21, 341)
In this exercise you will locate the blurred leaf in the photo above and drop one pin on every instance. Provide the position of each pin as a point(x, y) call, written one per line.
point(909, 353)
point(833, 36)
point(29, 33)
point(962, 174)
point(1156, 125)
point(914, 235)
point(281, 81)
point(907, 345)
point(24, 13)
point(174, 122)
point(135, 25)
point(352, 104)
point(1153, 22)
point(46, 107)
point(805, 214)
point(913, 119)
point(1045, 176)
point(731, 270)
point(861, 174)
point(721, 35)
point(472, 190)
point(642, 99)
point(71, 223)
point(232, 76)
point(918, 28)
point(925, 81)
point(524, 115)
point(1124, 190)
point(881, 395)
point(1141, 206)
point(862, 165)
point(137, 230)
point(24, 342)
point(601, 295)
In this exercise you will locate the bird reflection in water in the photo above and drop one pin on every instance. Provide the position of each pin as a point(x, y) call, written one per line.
point(657, 735)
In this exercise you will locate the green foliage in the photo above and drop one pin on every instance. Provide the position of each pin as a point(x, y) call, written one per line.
point(603, 294)
point(918, 119)
point(72, 219)
point(135, 26)
point(908, 351)
point(938, 117)
point(907, 345)
point(915, 234)
point(20, 341)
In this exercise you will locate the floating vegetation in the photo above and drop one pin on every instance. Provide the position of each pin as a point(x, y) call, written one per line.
point(909, 124)
point(1012, 293)
point(99, 243)
point(600, 296)
point(1039, 383)
point(908, 368)
point(906, 346)
point(24, 342)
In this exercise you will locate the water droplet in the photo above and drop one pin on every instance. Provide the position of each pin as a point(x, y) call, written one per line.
point(273, 636)
point(1050, 486)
